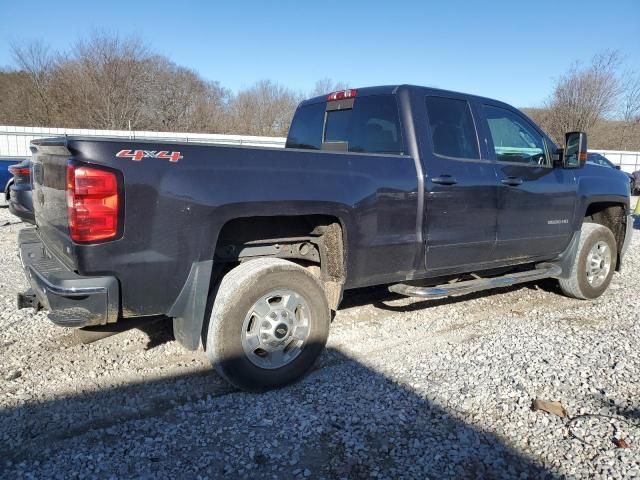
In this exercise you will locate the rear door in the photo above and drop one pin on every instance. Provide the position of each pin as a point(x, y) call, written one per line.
point(460, 187)
point(535, 200)
point(367, 128)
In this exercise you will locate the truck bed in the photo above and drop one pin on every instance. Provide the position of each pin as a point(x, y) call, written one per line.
point(173, 211)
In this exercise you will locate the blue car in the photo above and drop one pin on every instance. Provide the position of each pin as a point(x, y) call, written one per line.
point(599, 159)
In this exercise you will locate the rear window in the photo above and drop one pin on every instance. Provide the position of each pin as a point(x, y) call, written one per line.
point(452, 130)
point(371, 126)
point(337, 126)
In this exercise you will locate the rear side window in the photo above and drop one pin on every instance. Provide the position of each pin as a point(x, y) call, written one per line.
point(452, 129)
point(306, 127)
point(371, 126)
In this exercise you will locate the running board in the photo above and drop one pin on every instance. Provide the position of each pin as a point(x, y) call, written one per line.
point(543, 270)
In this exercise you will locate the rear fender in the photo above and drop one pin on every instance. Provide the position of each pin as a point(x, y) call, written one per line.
point(190, 308)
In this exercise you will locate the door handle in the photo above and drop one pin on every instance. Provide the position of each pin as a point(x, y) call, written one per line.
point(512, 181)
point(444, 180)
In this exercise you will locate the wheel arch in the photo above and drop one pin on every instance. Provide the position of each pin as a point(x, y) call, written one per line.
point(613, 215)
point(279, 236)
point(317, 241)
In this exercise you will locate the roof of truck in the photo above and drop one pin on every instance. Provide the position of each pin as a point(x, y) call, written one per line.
point(393, 89)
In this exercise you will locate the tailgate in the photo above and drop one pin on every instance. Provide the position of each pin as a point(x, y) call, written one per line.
point(49, 174)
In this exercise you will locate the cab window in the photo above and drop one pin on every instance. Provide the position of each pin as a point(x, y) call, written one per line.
point(514, 140)
point(371, 126)
point(453, 132)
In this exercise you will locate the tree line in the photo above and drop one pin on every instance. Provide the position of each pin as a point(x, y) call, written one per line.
point(106, 82)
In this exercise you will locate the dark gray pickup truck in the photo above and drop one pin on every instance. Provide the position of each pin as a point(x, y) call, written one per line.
point(248, 250)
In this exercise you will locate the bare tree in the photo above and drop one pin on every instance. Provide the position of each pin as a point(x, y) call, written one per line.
point(266, 108)
point(109, 81)
point(38, 64)
point(13, 99)
point(327, 85)
point(584, 95)
point(171, 96)
point(180, 100)
point(630, 112)
point(211, 110)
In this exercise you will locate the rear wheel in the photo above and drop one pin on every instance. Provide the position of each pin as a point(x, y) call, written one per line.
point(269, 323)
point(594, 264)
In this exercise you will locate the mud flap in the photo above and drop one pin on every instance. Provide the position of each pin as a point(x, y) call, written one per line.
point(189, 309)
point(568, 257)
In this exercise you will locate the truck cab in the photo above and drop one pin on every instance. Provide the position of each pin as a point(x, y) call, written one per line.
point(492, 191)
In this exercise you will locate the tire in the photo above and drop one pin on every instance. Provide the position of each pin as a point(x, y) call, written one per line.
point(6, 195)
point(246, 309)
point(578, 284)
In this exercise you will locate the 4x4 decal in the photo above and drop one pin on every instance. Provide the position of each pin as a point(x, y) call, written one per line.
point(138, 155)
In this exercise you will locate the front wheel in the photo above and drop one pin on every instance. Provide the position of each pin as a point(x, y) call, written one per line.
point(269, 323)
point(594, 264)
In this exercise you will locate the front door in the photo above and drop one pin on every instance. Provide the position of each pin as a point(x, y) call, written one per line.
point(535, 200)
point(461, 191)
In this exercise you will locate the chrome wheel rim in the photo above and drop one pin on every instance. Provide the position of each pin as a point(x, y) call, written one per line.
point(598, 264)
point(275, 329)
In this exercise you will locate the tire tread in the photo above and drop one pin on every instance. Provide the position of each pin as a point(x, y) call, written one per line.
point(231, 283)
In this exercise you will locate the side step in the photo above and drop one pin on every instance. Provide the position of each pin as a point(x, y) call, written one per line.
point(543, 270)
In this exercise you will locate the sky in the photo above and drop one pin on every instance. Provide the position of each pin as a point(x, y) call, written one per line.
point(508, 50)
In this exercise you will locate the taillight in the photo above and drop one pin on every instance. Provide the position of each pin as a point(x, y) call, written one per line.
point(341, 95)
point(92, 203)
point(19, 171)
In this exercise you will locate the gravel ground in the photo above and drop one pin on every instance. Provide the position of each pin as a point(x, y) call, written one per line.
point(407, 388)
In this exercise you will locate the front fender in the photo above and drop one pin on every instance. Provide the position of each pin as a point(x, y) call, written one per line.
point(600, 186)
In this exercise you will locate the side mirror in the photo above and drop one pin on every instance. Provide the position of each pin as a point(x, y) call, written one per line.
point(575, 149)
point(617, 167)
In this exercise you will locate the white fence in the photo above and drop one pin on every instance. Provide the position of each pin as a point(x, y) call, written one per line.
point(14, 141)
point(629, 161)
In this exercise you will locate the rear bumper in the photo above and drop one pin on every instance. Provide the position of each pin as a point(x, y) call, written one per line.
point(72, 300)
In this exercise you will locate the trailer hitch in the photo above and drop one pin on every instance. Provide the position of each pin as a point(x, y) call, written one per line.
point(28, 299)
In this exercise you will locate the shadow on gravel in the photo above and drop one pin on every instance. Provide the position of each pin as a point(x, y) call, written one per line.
point(344, 420)
point(159, 333)
point(630, 412)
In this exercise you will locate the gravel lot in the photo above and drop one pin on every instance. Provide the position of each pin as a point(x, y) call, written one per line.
point(407, 388)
